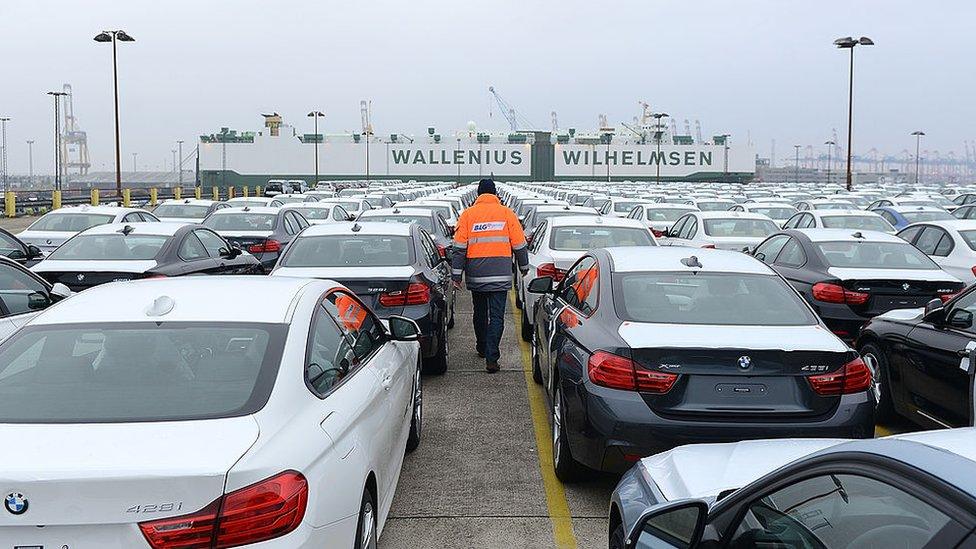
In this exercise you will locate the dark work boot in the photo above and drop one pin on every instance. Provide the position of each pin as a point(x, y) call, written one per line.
point(491, 367)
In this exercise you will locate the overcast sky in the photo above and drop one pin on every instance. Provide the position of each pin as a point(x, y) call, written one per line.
point(758, 69)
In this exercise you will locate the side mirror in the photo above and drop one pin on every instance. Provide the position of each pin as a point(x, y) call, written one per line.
point(33, 251)
point(541, 285)
point(350, 217)
point(403, 329)
point(60, 291)
point(17, 254)
point(37, 301)
point(679, 524)
point(932, 307)
point(760, 256)
point(960, 318)
point(230, 253)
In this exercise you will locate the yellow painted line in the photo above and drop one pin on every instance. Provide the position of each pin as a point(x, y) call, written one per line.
point(562, 521)
point(880, 431)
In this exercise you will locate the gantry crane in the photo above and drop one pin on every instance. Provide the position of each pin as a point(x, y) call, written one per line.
point(513, 117)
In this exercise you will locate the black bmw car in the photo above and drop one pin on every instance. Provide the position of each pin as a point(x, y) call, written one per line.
point(117, 252)
point(394, 268)
point(18, 250)
point(643, 349)
point(262, 232)
point(851, 276)
point(925, 361)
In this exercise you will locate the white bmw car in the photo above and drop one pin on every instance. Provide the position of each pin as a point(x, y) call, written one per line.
point(172, 413)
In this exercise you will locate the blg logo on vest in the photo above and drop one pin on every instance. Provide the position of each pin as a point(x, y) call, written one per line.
point(488, 226)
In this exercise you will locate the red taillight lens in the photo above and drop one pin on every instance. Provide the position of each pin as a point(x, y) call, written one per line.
point(268, 245)
point(266, 510)
point(550, 270)
point(442, 250)
point(709, 246)
point(657, 233)
point(852, 377)
point(947, 297)
point(416, 294)
point(834, 293)
point(617, 372)
point(974, 270)
point(156, 275)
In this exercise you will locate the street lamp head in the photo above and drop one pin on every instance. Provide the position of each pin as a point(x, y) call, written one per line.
point(829, 142)
point(660, 115)
point(918, 133)
point(315, 113)
point(845, 42)
point(865, 41)
point(103, 37)
point(121, 36)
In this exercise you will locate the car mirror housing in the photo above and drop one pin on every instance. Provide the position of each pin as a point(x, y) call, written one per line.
point(34, 251)
point(60, 291)
point(960, 318)
point(38, 300)
point(403, 329)
point(541, 285)
point(933, 309)
point(230, 253)
point(678, 524)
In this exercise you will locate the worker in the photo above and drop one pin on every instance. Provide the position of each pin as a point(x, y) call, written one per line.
point(487, 235)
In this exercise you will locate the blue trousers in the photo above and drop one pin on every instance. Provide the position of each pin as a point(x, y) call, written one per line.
point(489, 322)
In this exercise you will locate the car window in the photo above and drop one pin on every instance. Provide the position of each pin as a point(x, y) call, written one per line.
point(945, 245)
point(21, 292)
point(808, 221)
point(690, 229)
point(792, 222)
point(929, 240)
point(430, 249)
point(537, 235)
point(338, 214)
point(300, 220)
point(290, 226)
point(889, 217)
point(768, 250)
point(329, 357)
point(843, 510)
point(679, 226)
point(359, 325)
point(192, 249)
point(211, 241)
point(578, 283)
point(909, 234)
point(792, 255)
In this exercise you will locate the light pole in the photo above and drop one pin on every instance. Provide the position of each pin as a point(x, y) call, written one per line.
point(918, 141)
point(725, 158)
point(174, 158)
point(57, 137)
point(134, 168)
point(314, 115)
point(114, 37)
point(3, 151)
point(658, 135)
point(849, 43)
point(180, 156)
point(830, 152)
point(30, 162)
point(797, 169)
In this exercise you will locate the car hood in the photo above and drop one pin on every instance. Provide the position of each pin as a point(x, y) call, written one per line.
point(928, 275)
point(41, 238)
point(784, 338)
point(707, 470)
point(82, 266)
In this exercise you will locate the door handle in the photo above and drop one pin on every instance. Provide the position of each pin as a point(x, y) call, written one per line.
point(387, 382)
point(963, 353)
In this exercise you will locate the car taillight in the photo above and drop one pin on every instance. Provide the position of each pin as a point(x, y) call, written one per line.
point(852, 377)
point(416, 293)
point(974, 270)
point(657, 233)
point(442, 250)
point(947, 297)
point(550, 270)
point(709, 246)
point(834, 293)
point(266, 510)
point(155, 275)
point(268, 245)
point(617, 372)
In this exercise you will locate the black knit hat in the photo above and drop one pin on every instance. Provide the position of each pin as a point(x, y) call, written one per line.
point(486, 186)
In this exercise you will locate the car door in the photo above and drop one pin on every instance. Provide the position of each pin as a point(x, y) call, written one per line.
point(789, 264)
point(437, 273)
point(770, 248)
point(675, 230)
point(567, 312)
point(935, 382)
point(194, 256)
point(217, 248)
point(21, 292)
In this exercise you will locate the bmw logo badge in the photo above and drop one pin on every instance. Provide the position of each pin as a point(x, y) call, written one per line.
point(745, 362)
point(81, 277)
point(15, 503)
point(905, 286)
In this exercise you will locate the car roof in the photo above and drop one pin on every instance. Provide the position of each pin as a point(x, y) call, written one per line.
point(671, 206)
point(206, 298)
point(248, 209)
point(365, 228)
point(396, 210)
point(848, 212)
point(731, 215)
point(835, 235)
point(767, 205)
point(565, 208)
point(668, 258)
point(594, 221)
point(906, 209)
point(151, 228)
point(191, 201)
point(86, 209)
point(297, 205)
point(955, 224)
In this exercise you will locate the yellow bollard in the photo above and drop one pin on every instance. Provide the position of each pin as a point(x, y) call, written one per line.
point(126, 198)
point(10, 203)
point(216, 193)
point(55, 200)
point(246, 189)
point(257, 190)
point(198, 193)
point(94, 197)
point(153, 196)
point(177, 192)
point(230, 193)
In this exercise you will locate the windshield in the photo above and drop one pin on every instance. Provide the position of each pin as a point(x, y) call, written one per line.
point(146, 371)
point(241, 221)
point(108, 247)
point(422, 221)
point(862, 222)
point(919, 202)
point(708, 298)
point(915, 217)
point(666, 214)
point(587, 238)
point(349, 251)
point(69, 222)
point(182, 211)
point(775, 213)
point(742, 228)
point(713, 206)
point(833, 206)
point(874, 255)
point(624, 206)
point(253, 203)
point(287, 200)
point(314, 213)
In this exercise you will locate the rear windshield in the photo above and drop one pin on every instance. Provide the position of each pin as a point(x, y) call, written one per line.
point(252, 203)
point(314, 213)
point(69, 222)
point(587, 238)
point(542, 216)
point(713, 206)
point(184, 211)
point(108, 247)
point(666, 214)
point(874, 255)
point(346, 251)
point(624, 206)
point(833, 206)
point(743, 228)
point(915, 217)
point(288, 199)
point(970, 238)
point(423, 221)
point(775, 213)
point(241, 222)
point(863, 222)
point(147, 371)
point(708, 298)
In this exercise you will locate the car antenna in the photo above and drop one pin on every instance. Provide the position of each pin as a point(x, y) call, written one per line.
point(692, 262)
point(858, 235)
point(396, 210)
point(247, 208)
point(356, 227)
point(126, 230)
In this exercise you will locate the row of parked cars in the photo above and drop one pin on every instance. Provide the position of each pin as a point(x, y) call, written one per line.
point(239, 373)
point(744, 344)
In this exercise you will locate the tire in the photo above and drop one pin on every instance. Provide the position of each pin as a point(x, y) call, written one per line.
point(417, 418)
point(450, 322)
point(437, 364)
point(518, 298)
point(878, 364)
point(617, 538)
point(567, 469)
point(366, 523)
point(526, 327)
point(536, 369)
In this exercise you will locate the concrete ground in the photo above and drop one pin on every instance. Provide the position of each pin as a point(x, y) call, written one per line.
point(16, 224)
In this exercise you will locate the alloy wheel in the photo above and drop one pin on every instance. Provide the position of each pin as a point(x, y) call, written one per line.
point(871, 362)
point(368, 527)
point(556, 426)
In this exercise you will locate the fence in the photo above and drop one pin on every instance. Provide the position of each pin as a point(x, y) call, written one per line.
point(29, 203)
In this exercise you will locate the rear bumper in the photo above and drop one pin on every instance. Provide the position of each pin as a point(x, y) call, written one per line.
point(424, 317)
point(268, 260)
point(610, 429)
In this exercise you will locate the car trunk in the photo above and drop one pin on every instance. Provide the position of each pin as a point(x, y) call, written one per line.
point(368, 283)
point(80, 479)
point(901, 289)
point(739, 373)
point(81, 275)
point(246, 239)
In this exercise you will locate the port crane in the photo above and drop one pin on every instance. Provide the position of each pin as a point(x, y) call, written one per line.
point(508, 111)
